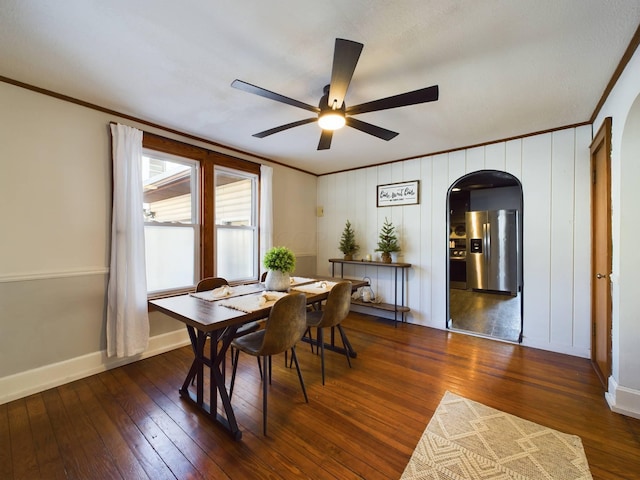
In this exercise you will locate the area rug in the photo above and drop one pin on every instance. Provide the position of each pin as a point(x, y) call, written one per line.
point(468, 440)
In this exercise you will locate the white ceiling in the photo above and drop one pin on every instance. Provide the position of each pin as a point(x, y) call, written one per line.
point(504, 67)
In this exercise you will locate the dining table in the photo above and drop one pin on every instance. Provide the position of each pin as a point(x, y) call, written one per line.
point(217, 315)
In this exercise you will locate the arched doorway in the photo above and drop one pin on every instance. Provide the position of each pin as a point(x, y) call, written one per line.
point(485, 255)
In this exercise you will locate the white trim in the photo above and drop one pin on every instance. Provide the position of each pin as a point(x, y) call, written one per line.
point(25, 277)
point(572, 350)
point(39, 379)
point(622, 400)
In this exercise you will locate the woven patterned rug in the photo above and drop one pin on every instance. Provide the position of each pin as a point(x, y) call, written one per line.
point(468, 440)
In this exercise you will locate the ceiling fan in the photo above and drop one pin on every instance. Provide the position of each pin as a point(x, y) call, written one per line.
point(332, 113)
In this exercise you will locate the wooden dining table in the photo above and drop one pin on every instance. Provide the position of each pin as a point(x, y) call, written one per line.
point(210, 318)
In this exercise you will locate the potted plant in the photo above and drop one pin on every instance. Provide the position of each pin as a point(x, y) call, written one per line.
point(279, 262)
point(388, 242)
point(348, 245)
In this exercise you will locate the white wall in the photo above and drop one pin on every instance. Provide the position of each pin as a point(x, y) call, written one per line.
point(294, 216)
point(554, 171)
point(55, 206)
point(623, 105)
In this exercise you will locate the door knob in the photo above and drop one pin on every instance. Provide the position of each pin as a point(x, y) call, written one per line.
point(599, 275)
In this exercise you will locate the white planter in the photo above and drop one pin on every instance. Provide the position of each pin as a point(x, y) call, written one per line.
point(277, 281)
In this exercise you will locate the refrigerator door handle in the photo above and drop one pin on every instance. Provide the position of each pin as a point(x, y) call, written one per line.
point(486, 231)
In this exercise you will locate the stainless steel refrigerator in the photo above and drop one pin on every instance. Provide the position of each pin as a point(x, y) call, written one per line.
point(492, 250)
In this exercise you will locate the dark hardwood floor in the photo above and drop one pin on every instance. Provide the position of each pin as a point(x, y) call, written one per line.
point(130, 423)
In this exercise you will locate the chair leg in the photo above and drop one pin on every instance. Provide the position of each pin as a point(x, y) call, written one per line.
point(259, 366)
point(294, 357)
point(290, 361)
point(345, 344)
point(270, 371)
point(267, 373)
point(320, 336)
point(308, 332)
point(233, 373)
point(287, 363)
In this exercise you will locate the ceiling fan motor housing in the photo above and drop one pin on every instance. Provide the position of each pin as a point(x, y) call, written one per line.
point(330, 117)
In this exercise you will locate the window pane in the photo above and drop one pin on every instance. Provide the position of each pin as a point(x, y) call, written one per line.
point(235, 258)
point(236, 230)
point(170, 257)
point(233, 199)
point(167, 190)
point(171, 230)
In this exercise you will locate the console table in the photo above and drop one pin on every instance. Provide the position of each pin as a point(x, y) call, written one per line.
point(395, 307)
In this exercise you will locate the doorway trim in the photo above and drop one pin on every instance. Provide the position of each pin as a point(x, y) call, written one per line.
point(482, 180)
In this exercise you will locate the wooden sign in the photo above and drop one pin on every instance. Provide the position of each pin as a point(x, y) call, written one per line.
point(405, 193)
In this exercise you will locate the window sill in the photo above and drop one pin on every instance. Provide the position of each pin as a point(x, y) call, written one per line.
point(166, 294)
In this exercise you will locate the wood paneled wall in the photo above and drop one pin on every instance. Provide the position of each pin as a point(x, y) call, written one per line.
point(554, 171)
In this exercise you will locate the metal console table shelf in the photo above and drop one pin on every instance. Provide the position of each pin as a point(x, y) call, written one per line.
point(395, 307)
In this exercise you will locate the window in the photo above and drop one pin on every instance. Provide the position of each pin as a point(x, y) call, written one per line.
point(201, 215)
point(170, 209)
point(236, 224)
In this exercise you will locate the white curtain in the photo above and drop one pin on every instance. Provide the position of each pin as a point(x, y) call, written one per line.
point(127, 315)
point(266, 211)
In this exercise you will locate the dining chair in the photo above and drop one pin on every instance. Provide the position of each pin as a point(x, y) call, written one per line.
point(211, 283)
point(334, 311)
point(283, 329)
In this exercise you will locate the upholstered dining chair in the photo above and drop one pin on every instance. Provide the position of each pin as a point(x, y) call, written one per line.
point(283, 329)
point(333, 312)
point(211, 283)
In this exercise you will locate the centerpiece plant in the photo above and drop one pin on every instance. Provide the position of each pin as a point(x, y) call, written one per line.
point(388, 241)
point(279, 262)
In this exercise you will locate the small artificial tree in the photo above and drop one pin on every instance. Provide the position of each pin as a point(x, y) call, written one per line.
point(348, 244)
point(388, 241)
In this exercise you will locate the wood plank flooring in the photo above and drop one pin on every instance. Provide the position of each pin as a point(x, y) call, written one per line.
point(130, 423)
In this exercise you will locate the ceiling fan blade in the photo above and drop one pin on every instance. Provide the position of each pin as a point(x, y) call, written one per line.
point(345, 59)
point(429, 94)
point(365, 127)
point(281, 128)
point(325, 140)
point(247, 87)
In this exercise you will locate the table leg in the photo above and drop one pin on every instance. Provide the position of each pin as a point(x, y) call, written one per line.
point(196, 371)
point(216, 377)
point(395, 298)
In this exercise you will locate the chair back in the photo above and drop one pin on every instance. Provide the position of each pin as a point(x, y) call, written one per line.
point(286, 324)
point(337, 305)
point(210, 283)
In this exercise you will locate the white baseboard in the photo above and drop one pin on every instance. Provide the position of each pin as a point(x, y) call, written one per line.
point(623, 400)
point(574, 351)
point(39, 379)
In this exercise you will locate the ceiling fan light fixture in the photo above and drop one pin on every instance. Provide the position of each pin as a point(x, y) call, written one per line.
point(331, 120)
